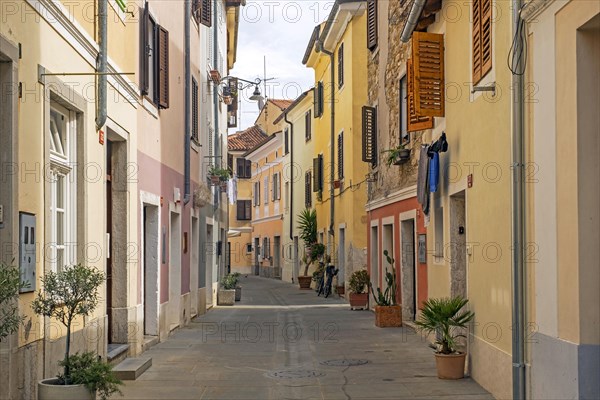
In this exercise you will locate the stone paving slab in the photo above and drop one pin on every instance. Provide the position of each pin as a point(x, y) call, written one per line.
point(269, 348)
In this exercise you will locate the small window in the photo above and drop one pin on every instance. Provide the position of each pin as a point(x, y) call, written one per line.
point(244, 168)
point(154, 65)
point(244, 210)
point(248, 248)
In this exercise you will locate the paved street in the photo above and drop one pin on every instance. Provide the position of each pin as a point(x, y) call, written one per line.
point(283, 343)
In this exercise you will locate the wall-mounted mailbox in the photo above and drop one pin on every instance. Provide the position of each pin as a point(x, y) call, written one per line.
point(27, 237)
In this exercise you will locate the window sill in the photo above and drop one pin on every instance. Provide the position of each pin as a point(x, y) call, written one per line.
point(195, 145)
point(150, 106)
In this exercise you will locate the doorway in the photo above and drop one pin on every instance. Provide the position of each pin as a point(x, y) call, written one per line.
point(374, 257)
point(150, 237)
point(174, 269)
point(408, 270)
point(458, 249)
point(277, 257)
point(256, 256)
point(342, 257)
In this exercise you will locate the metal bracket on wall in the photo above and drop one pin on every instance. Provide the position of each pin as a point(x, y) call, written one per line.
point(42, 73)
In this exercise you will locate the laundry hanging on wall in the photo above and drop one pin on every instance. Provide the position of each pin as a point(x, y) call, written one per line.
point(428, 174)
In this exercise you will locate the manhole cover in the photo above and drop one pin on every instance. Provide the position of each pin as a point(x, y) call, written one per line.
point(344, 363)
point(295, 374)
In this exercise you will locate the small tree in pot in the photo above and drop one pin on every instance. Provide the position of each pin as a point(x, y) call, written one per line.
point(358, 286)
point(68, 294)
point(387, 312)
point(307, 223)
point(444, 318)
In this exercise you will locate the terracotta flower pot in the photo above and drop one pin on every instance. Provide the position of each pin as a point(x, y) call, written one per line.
point(304, 282)
point(359, 300)
point(49, 389)
point(340, 290)
point(450, 366)
point(388, 316)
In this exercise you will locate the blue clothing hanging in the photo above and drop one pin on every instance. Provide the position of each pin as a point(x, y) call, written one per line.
point(434, 172)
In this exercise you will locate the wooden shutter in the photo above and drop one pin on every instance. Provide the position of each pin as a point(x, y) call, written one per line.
point(248, 171)
point(307, 122)
point(428, 73)
point(341, 66)
point(482, 39)
point(415, 122)
point(241, 167)
point(341, 155)
point(163, 68)
point(144, 48)
point(248, 209)
point(195, 105)
point(308, 190)
point(241, 209)
point(371, 24)
point(369, 134)
point(206, 13)
point(318, 173)
point(319, 101)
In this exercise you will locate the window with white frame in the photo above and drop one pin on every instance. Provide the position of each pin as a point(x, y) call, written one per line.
point(62, 180)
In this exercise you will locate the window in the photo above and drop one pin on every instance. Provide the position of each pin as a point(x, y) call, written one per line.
point(244, 168)
point(266, 247)
point(154, 61)
point(230, 161)
point(62, 136)
point(256, 194)
point(248, 248)
point(307, 127)
point(243, 210)
point(371, 24)
point(195, 119)
point(318, 173)
point(341, 155)
point(341, 66)
point(286, 139)
point(482, 39)
point(319, 101)
point(266, 189)
point(308, 189)
point(202, 11)
point(404, 135)
point(439, 232)
point(369, 135)
point(276, 191)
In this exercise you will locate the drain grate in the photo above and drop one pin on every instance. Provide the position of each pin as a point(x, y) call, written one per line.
point(344, 363)
point(295, 374)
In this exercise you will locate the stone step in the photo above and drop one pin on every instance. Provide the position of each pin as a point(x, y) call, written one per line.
point(149, 341)
point(131, 368)
point(116, 352)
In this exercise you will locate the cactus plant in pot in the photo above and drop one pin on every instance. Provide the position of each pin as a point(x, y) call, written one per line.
point(388, 312)
point(69, 294)
point(358, 286)
point(446, 319)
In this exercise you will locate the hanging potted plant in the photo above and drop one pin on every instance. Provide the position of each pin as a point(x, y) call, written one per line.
point(67, 295)
point(398, 155)
point(219, 175)
point(358, 286)
point(445, 319)
point(388, 312)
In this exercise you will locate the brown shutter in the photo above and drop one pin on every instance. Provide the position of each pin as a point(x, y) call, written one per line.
point(307, 122)
point(240, 210)
point(308, 190)
point(486, 37)
point(476, 41)
point(341, 155)
point(206, 13)
point(371, 24)
point(428, 73)
point(241, 167)
point(195, 120)
point(144, 47)
point(248, 172)
point(341, 66)
point(415, 122)
point(248, 209)
point(319, 101)
point(369, 134)
point(315, 174)
point(163, 67)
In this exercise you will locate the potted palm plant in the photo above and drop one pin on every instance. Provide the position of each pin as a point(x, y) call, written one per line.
point(226, 294)
point(446, 319)
point(67, 295)
point(307, 224)
point(388, 312)
point(358, 286)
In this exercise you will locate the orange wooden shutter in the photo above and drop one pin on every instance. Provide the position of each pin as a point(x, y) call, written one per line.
point(163, 65)
point(415, 122)
point(476, 41)
point(486, 36)
point(428, 74)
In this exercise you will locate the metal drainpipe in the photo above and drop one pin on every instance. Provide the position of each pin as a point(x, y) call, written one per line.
point(102, 63)
point(413, 19)
point(518, 226)
point(291, 142)
point(321, 47)
point(187, 129)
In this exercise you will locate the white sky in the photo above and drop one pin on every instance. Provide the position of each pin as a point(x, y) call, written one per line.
point(279, 30)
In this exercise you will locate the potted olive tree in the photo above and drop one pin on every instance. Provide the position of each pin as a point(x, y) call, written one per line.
point(358, 286)
point(10, 283)
point(66, 295)
point(388, 312)
point(446, 319)
point(307, 223)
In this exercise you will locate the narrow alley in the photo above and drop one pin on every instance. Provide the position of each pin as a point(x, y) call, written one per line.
point(283, 343)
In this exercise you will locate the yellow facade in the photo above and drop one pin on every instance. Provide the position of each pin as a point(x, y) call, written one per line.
point(345, 235)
